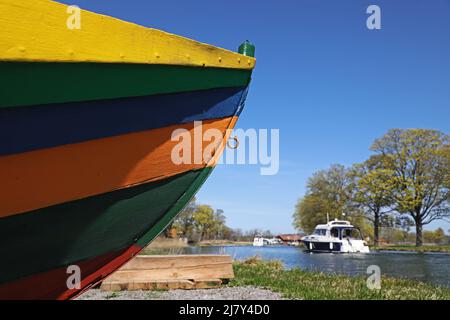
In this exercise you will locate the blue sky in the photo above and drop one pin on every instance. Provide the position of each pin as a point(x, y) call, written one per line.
point(327, 82)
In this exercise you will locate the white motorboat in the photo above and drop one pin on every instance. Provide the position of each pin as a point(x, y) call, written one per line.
point(258, 241)
point(335, 236)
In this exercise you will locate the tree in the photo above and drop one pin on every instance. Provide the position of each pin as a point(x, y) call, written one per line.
point(184, 223)
point(437, 236)
point(372, 191)
point(396, 228)
point(419, 160)
point(237, 234)
point(203, 220)
point(332, 186)
point(309, 212)
point(218, 225)
point(328, 192)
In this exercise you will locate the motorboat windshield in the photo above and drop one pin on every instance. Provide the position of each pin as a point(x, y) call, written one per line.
point(320, 232)
point(346, 233)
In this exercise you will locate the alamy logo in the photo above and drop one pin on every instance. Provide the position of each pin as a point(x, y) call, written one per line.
point(254, 147)
point(74, 20)
point(251, 146)
point(74, 278)
point(374, 279)
point(374, 20)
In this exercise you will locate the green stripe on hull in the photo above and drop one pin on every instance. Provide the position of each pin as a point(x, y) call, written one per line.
point(172, 213)
point(44, 83)
point(62, 235)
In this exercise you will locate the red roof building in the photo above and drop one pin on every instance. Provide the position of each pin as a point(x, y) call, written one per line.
point(289, 238)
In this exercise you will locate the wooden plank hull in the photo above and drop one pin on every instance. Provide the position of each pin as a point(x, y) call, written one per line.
point(86, 140)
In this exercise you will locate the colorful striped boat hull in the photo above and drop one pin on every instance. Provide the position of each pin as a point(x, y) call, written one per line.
point(87, 123)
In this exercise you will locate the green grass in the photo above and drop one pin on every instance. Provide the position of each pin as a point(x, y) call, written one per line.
point(299, 284)
point(412, 248)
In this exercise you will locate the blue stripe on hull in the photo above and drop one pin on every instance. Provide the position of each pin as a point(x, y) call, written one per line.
point(35, 127)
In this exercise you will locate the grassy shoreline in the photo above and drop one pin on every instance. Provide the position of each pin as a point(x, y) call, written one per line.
point(223, 243)
point(300, 284)
point(412, 248)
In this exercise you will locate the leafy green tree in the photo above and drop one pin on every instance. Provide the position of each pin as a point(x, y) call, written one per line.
point(437, 236)
point(227, 233)
point(203, 220)
point(397, 228)
point(419, 160)
point(372, 191)
point(310, 211)
point(234, 234)
point(332, 186)
point(218, 226)
point(184, 223)
point(328, 192)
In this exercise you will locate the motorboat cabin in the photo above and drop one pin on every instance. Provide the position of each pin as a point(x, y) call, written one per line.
point(335, 236)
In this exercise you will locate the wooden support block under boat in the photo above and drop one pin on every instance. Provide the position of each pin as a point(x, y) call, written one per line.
point(171, 272)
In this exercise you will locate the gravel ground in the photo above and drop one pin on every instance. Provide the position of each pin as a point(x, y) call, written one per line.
point(226, 293)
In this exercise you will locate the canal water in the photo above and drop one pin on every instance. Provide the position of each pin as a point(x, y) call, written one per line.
point(429, 267)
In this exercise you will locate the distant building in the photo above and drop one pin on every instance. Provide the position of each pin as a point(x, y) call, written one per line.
point(289, 238)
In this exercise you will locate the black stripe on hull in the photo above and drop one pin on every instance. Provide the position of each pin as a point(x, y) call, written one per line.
point(322, 246)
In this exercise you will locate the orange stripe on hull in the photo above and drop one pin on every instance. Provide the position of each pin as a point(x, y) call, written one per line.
point(42, 178)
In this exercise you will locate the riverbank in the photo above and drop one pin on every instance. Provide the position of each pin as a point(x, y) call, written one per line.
point(412, 248)
point(300, 284)
point(224, 243)
point(431, 268)
point(170, 246)
point(257, 279)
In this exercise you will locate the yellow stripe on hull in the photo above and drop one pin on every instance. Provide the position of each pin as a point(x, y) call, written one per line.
point(37, 30)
